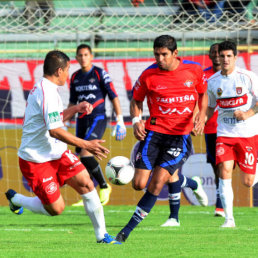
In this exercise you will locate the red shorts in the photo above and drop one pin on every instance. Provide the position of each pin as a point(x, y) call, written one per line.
point(242, 150)
point(45, 178)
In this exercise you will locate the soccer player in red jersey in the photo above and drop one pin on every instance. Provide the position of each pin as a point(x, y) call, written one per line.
point(172, 88)
point(210, 129)
point(235, 93)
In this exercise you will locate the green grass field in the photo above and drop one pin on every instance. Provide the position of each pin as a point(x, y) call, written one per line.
point(71, 234)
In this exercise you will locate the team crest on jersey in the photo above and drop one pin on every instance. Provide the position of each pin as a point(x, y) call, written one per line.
point(91, 80)
point(219, 92)
point(188, 83)
point(239, 90)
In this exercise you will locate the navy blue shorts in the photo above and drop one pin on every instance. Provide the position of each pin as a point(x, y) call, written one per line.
point(210, 140)
point(167, 151)
point(90, 128)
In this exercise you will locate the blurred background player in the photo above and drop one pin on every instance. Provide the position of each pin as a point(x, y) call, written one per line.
point(235, 92)
point(210, 129)
point(172, 88)
point(92, 84)
point(43, 156)
point(174, 201)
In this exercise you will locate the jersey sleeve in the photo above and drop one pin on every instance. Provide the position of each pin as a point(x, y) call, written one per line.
point(109, 87)
point(53, 111)
point(212, 101)
point(73, 96)
point(254, 89)
point(201, 85)
point(140, 88)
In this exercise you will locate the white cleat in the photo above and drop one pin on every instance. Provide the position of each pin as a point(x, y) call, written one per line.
point(171, 223)
point(199, 192)
point(229, 223)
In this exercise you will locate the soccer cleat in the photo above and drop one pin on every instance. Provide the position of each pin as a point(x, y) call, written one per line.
point(121, 237)
point(104, 194)
point(229, 223)
point(108, 240)
point(171, 223)
point(15, 209)
point(77, 204)
point(199, 192)
point(219, 212)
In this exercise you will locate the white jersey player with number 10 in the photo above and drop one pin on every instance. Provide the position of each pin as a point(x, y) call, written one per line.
point(235, 92)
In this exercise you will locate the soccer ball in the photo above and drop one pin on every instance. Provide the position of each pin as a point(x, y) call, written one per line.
point(119, 170)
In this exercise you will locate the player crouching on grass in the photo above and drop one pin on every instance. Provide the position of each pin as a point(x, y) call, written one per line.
point(43, 156)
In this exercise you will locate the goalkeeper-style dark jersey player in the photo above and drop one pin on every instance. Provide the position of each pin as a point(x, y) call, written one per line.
point(93, 84)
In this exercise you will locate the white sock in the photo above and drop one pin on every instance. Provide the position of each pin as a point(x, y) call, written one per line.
point(226, 196)
point(95, 211)
point(33, 204)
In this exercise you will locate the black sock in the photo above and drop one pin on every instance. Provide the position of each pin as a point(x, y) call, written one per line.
point(94, 170)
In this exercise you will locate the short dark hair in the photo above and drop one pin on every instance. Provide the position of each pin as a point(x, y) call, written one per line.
point(83, 46)
point(212, 46)
point(165, 41)
point(228, 45)
point(53, 61)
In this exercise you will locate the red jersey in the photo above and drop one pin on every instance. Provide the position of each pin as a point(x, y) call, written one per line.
point(171, 96)
point(211, 125)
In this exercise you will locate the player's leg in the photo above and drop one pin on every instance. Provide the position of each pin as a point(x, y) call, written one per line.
point(159, 178)
point(226, 191)
point(43, 181)
point(174, 196)
point(90, 129)
point(73, 173)
point(210, 141)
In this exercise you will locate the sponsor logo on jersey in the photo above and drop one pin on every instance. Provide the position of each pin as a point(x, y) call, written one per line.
point(170, 111)
point(54, 117)
point(51, 188)
point(219, 92)
point(179, 99)
point(232, 102)
point(188, 83)
point(153, 120)
point(47, 179)
point(89, 87)
point(87, 97)
point(239, 90)
point(75, 81)
point(160, 87)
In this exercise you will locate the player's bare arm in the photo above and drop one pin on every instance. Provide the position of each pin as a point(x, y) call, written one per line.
point(82, 107)
point(136, 108)
point(241, 115)
point(199, 121)
point(93, 146)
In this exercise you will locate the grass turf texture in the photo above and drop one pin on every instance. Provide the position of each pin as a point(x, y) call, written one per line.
point(71, 234)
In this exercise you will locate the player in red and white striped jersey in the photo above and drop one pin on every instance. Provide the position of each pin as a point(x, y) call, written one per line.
point(235, 91)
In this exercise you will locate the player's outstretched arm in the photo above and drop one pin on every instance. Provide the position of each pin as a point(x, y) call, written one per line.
point(82, 107)
point(93, 146)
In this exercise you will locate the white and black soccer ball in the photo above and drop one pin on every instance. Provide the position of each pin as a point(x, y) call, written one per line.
point(119, 170)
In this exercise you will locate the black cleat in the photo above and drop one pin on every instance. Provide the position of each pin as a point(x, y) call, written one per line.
point(121, 237)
